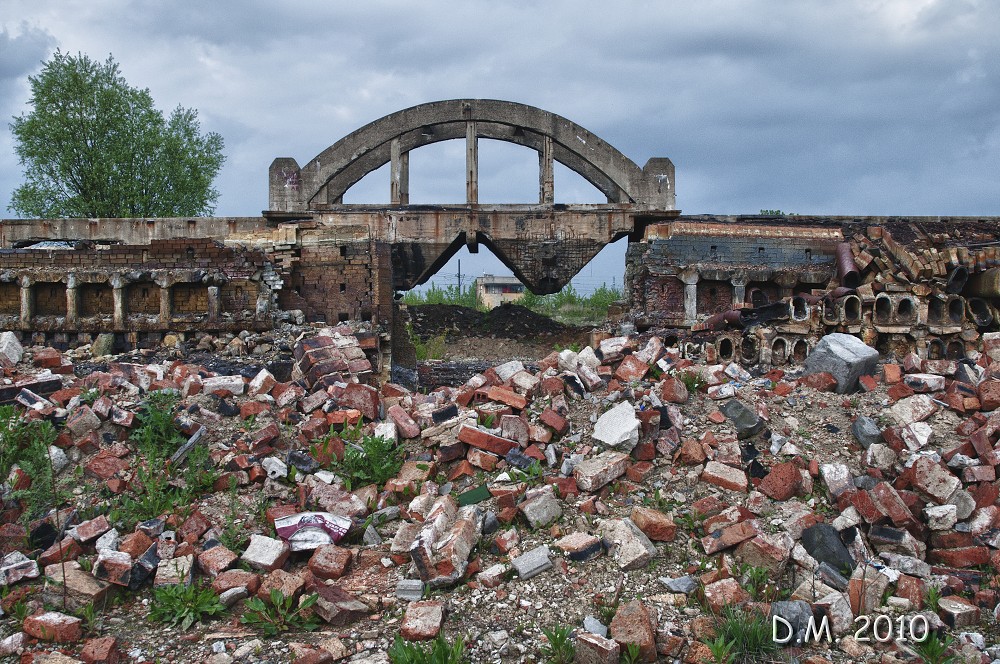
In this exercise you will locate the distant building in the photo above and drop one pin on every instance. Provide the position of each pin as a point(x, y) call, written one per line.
point(493, 291)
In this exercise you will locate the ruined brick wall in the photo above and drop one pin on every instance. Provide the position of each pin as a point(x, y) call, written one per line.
point(189, 299)
point(85, 288)
point(96, 300)
point(775, 247)
point(50, 299)
point(664, 293)
point(714, 296)
point(10, 298)
point(142, 298)
point(239, 295)
point(334, 282)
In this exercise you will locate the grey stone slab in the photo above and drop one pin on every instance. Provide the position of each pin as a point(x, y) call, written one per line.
point(533, 562)
point(844, 356)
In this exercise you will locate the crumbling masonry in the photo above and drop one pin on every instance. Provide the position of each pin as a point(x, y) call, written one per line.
point(752, 288)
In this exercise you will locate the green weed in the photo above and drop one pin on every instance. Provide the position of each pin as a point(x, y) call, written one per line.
point(183, 605)
point(932, 598)
point(279, 615)
point(373, 461)
point(559, 648)
point(934, 650)
point(722, 650)
point(630, 655)
point(692, 380)
point(438, 651)
point(749, 631)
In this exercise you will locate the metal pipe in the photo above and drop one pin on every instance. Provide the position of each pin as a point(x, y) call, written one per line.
point(984, 284)
point(847, 269)
point(981, 311)
point(957, 280)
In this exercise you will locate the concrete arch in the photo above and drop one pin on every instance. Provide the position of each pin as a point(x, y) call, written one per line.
point(322, 182)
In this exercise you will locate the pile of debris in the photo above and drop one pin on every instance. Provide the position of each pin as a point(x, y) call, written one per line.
point(625, 490)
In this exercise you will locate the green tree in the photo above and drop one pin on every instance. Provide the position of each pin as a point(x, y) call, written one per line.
point(93, 146)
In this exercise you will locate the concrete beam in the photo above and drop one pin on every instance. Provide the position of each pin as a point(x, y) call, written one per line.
point(325, 178)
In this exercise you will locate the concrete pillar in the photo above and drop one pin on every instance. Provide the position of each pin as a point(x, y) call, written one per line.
point(689, 278)
point(166, 308)
point(214, 304)
point(739, 283)
point(546, 179)
point(471, 164)
point(72, 300)
point(118, 300)
point(27, 302)
point(399, 174)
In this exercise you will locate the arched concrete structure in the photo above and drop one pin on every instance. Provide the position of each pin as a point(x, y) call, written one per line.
point(321, 183)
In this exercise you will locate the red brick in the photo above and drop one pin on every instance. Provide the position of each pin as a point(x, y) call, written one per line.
point(54, 626)
point(552, 419)
point(634, 624)
point(821, 382)
point(631, 369)
point(989, 394)
point(506, 396)
point(868, 383)
point(236, 578)
point(103, 650)
point(673, 390)
point(422, 620)
point(485, 440)
point(900, 391)
point(656, 525)
point(783, 482)
point(363, 398)
point(216, 560)
point(969, 556)
point(552, 386)
point(330, 561)
point(68, 549)
point(726, 477)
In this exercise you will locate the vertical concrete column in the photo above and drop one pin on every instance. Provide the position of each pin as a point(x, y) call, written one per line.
point(27, 303)
point(166, 308)
point(399, 174)
point(118, 300)
point(689, 278)
point(739, 283)
point(546, 179)
point(72, 299)
point(471, 163)
point(214, 304)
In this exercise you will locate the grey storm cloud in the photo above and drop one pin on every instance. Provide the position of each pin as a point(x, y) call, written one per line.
point(852, 107)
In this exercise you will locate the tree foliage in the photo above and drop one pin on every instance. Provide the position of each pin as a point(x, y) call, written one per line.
point(93, 146)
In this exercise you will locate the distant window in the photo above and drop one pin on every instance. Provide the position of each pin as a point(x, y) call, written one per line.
point(343, 288)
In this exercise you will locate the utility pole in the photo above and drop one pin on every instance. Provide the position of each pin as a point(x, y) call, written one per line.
point(459, 277)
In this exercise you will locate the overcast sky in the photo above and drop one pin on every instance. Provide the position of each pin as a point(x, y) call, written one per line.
point(826, 107)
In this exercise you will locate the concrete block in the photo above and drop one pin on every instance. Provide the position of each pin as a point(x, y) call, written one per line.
point(540, 507)
point(594, 473)
point(744, 418)
point(846, 357)
point(866, 431)
point(533, 562)
point(626, 544)
point(618, 427)
point(11, 347)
